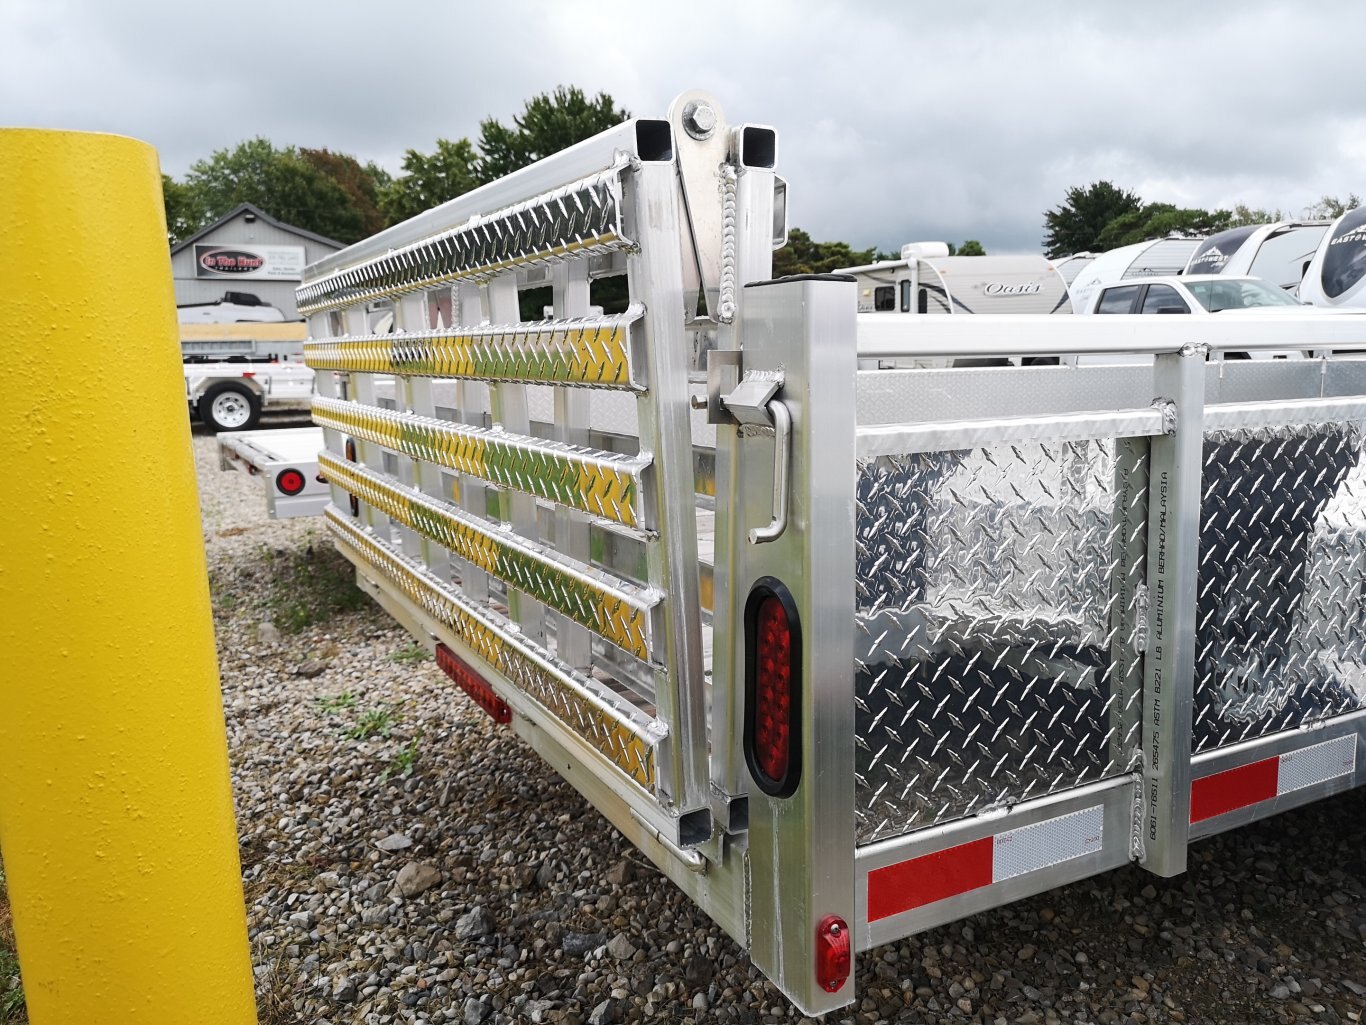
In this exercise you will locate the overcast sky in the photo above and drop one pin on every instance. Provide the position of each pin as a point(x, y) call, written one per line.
point(896, 121)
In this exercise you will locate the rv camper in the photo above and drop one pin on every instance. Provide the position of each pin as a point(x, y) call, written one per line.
point(928, 280)
point(1153, 258)
point(1337, 272)
point(1277, 252)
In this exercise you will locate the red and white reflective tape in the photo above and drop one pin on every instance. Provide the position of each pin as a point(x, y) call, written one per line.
point(992, 859)
point(1263, 780)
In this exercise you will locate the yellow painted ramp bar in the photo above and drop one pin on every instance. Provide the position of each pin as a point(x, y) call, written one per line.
point(116, 819)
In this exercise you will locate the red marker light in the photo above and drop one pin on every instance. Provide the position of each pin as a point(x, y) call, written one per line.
point(832, 953)
point(773, 688)
point(290, 482)
point(472, 684)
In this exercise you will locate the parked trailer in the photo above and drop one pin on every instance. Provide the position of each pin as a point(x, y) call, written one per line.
point(287, 463)
point(927, 280)
point(1153, 258)
point(1278, 252)
point(847, 653)
point(233, 371)
point(1336, 276)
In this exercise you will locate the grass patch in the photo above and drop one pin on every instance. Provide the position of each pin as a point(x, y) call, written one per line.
point(309, 586)
point(411, 654)
point(12, 1010)
point(402, 764)
point(337, 703)
point(377, 722)
point(294, 588)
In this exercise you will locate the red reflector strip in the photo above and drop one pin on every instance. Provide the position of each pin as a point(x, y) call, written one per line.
point(978, 863)
point(1246, 785)
point(929, 878)
point(1236, 788)
point(472, 684)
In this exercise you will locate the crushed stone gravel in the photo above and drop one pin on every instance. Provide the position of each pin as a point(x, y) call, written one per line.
point(407, 860)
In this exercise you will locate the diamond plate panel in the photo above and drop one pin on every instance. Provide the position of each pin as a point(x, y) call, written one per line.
point(614, 610)
point(596, 482)
point(615, 729)
point(1280, 641)
point(999, 604)
point(593, 351)
point(580, 219)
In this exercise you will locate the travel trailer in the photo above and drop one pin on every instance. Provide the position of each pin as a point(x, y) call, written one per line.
point(1152, 258)
point(927, 280)
point(1337, 271)
point(1277, 252)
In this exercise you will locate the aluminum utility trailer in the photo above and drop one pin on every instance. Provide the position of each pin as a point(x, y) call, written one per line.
point(847, 653)
point(287, 463)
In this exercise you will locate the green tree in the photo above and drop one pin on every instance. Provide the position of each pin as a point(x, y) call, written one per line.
point(804, 255)
point(1154, 220)
point(182, 219)
point(1242, 215)
point(362, 183)
point(1076, 225)
point(279, 181)
point(549, 123)
point(430, 179)
point(969, 248)
point(1330, 208)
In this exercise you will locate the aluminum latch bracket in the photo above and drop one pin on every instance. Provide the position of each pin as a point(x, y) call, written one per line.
point(752, 406)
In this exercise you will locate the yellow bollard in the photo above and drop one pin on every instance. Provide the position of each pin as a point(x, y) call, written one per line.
point(116, 819)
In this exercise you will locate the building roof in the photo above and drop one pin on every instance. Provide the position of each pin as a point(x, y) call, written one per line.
point(252, 208)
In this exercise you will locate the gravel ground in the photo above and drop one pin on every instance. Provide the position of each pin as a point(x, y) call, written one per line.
point(407, 860)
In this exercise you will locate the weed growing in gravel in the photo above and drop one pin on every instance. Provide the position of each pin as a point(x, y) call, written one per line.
point(336, 703)
point(403, 762)
point(312, 585)
point(410, 654)
point(11, 992)
point(377, 722)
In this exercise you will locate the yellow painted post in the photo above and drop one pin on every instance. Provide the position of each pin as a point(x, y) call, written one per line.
point(116, 819)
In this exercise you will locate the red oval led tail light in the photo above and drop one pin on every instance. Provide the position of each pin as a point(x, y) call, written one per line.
point(290, 482)
point(833, 954)
point(773, 676)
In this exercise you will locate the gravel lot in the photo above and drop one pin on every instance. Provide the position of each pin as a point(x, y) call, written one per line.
point(407, 860)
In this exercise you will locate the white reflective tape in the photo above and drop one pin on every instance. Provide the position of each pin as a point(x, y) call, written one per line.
point(1050, 842)
point(1316, 764)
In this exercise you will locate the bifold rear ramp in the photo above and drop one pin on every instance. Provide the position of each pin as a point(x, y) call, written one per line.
point(847, 653)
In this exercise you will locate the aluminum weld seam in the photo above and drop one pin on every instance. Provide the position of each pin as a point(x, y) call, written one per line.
point(580, 219)
point(619, 733)
point(599, 483)
point(614, 611)
point(591, 351)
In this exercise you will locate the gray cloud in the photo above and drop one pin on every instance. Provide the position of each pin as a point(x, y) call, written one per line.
point(896, 121)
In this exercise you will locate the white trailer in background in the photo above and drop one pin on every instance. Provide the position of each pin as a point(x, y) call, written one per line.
point(1278, 252)
point(1153, 258)
point(234, 370)
point(1337, 273)
point(927, 280)
point(287, 463)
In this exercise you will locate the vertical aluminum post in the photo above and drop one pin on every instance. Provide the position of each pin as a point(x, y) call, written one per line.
point(1169, 665)
point(801, 847)
point(665, 419)
point(116, 816)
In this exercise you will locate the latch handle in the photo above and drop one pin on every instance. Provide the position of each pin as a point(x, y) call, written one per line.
point(782, 458)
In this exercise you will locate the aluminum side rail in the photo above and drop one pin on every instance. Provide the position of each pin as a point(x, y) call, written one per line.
point(888, 337)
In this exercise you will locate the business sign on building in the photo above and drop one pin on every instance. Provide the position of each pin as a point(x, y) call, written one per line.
point(284, 263)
